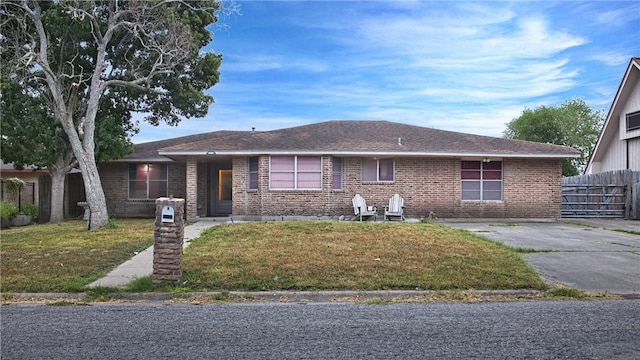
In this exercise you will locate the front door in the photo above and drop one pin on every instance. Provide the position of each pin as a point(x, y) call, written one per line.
point(220, 191)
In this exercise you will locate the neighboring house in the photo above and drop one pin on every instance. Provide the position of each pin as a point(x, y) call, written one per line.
point(39, 189)
point(316, 169)
point(618, 146)
point(29, 175)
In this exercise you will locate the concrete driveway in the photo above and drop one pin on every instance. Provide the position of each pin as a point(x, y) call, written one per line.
point(584, 254)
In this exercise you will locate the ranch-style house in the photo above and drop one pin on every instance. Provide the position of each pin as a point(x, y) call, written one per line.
point(315, 170)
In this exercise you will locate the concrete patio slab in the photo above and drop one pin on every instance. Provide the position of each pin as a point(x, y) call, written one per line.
point(590, 256)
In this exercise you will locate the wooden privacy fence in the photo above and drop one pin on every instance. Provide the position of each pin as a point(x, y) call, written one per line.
point(73, 193)
point(612, 194)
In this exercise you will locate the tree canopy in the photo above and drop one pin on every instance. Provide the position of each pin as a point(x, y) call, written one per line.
point(573, 123)
point(137, 56)
point(29, 134)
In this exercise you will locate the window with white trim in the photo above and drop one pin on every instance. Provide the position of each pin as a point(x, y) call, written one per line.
point(148, 181)
point(481, 180)
point(253, 172)
point(295, 172)
point(337, 173)
point(378, 170)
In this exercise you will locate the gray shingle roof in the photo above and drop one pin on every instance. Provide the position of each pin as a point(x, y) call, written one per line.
point(349, 137)
point(149, 150)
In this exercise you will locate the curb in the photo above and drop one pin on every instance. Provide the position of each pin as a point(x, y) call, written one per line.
point(302, 296)
point(323, 296)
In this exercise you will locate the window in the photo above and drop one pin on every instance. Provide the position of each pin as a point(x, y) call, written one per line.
point(633, 121)
point(481, 180)
point(148, 181)
point(295, 172)
point(377, 169)
point(337, 173)
point(253, 172)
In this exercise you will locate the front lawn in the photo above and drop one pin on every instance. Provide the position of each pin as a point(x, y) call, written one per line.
point(330, 255)
point(65, 257)
point(256, 256)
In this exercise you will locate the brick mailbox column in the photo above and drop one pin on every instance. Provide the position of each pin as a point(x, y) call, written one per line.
point(169, 237)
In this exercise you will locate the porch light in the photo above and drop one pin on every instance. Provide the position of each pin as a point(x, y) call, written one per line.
point(211, 152)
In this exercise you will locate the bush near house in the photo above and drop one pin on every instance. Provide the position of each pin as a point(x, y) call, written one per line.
point(7, 210)
point(30, 209)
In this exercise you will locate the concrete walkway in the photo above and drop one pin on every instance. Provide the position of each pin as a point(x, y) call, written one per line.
point(141, 264)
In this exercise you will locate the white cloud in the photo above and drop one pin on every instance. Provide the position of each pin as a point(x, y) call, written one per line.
point(251, 63)
point(476, 32)
point(469, 53)
point(617, 17)
point(611, 58)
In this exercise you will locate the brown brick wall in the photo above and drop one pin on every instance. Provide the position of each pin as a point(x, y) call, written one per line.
point(115, 182)
point(531, 189)
point(191, 187)
point(168, 243)
point(203, 179)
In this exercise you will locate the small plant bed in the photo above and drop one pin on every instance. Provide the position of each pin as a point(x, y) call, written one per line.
point(65, 257)
point(330, 255)
point(11, 216)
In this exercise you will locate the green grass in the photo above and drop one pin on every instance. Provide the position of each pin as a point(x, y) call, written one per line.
point(632, 232)
point(258, 256)
point(568, 293)
point(329, 255)
point(65, 257)
point(512, 224)
point(577, 223)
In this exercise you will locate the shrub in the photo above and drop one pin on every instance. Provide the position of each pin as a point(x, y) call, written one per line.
point(14, 184)
point(7, 210)
point(31, 210)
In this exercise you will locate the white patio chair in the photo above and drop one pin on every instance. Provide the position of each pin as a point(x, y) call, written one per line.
point(361, 209)
point(395, 208)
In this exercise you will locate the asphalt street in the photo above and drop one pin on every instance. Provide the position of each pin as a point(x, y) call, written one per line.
point(517, 330)
point(591, 257)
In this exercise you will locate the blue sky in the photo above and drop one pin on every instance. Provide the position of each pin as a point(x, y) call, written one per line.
point(453, 65)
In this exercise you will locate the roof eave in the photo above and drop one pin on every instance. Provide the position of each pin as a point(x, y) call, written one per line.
point(144, 159)
point(367, 153)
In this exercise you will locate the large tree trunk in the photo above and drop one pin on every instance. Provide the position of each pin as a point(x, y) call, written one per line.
point(96, 200)
point(85, 156)
point(58, 172)
point(84, 152)
point(57, 195)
